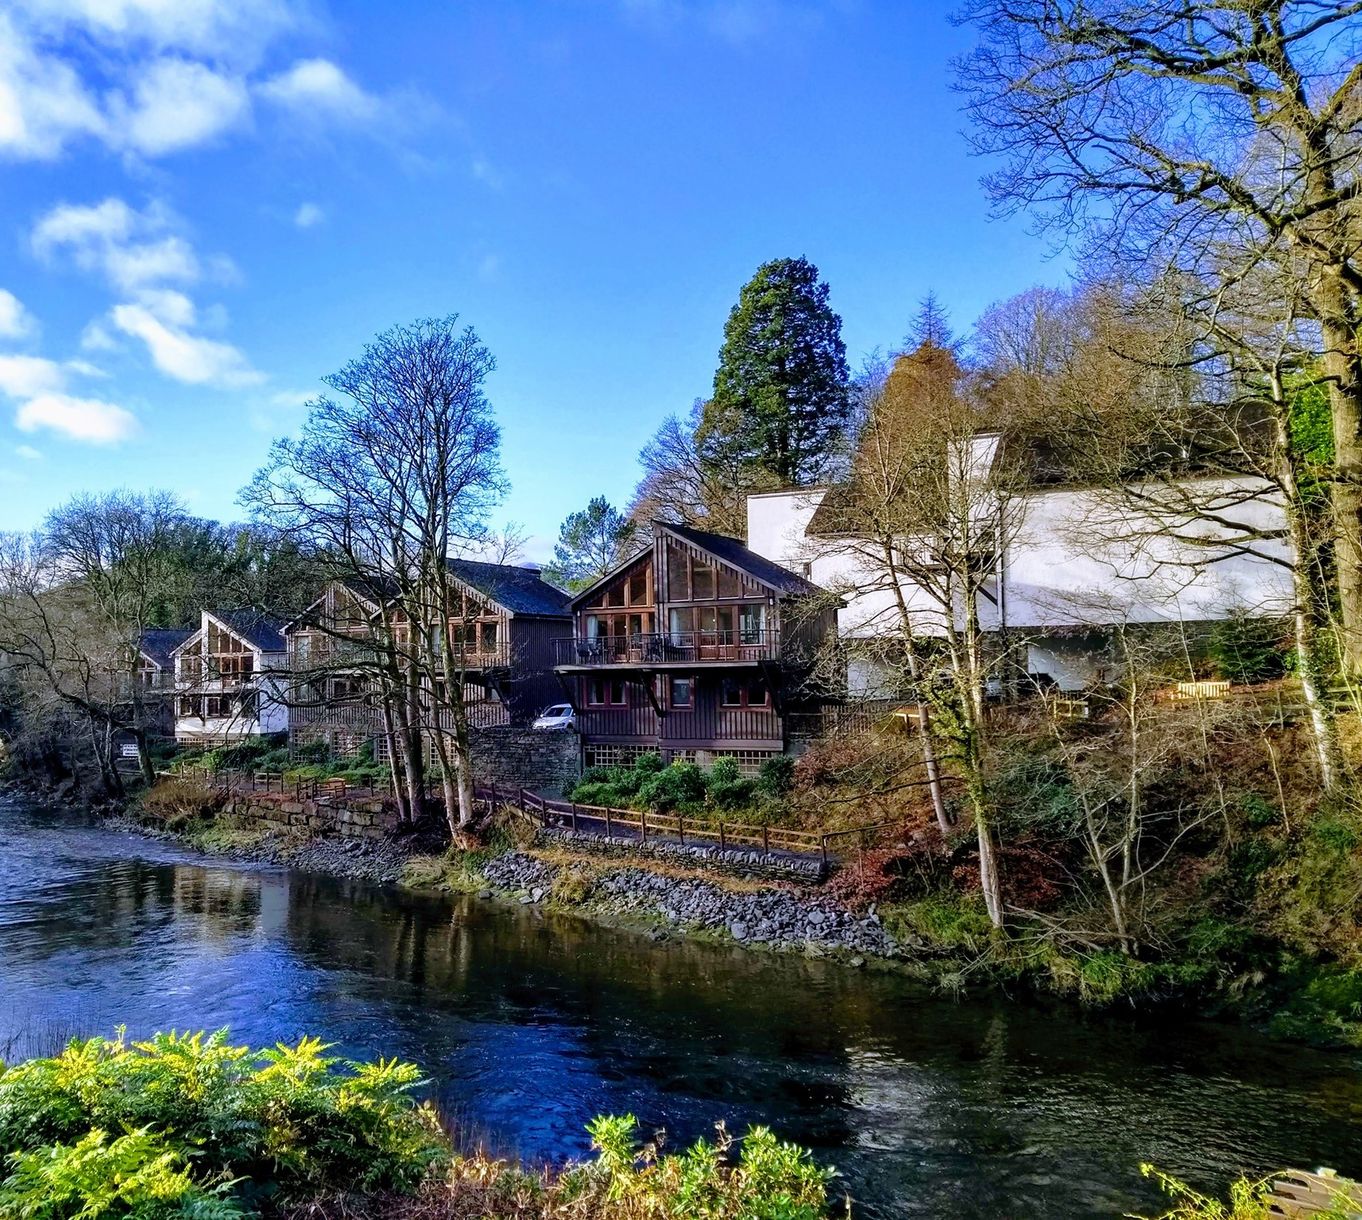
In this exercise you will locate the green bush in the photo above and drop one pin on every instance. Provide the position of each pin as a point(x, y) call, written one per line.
point(771, 1180)
point(137, 1175)
point(679, 786)
point(283, 1122)
point(776, 777)
point(728, 789)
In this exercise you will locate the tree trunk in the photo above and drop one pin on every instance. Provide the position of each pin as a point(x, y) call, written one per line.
point(1341, 366)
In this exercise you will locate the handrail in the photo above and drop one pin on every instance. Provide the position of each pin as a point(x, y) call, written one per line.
point(782, 838)
point(668, 648)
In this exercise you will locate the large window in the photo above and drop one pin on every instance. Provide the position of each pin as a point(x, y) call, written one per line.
point(681, 693)
point(752, 623)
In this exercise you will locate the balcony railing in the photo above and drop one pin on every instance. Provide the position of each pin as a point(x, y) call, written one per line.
point(670, 648)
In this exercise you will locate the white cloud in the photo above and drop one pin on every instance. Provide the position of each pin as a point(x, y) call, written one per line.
point(28, 453)
point(307, 215)
point(80, 419)
point(26, 376)
point(96, 338)
point(15, 321)
point(130, 248)
point(181, 355)
point(43, 102)
point(177, 104)
point(214, 28)
point(317, 88)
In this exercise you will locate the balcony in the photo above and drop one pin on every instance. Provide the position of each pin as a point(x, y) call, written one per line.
point(676, 649)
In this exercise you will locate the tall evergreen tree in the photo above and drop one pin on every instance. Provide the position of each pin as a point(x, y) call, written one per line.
point(781, 399)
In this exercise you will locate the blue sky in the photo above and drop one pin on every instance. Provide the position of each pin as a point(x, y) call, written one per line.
point(208, 204)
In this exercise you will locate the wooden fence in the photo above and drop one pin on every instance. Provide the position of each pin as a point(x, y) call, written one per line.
point(640, 825)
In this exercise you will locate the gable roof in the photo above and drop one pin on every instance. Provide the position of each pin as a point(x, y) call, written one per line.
point(159, 643)
point(262, 631)
point(515, 589)
point(736, 555)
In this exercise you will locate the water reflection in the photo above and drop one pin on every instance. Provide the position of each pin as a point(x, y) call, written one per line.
point(529, 1022)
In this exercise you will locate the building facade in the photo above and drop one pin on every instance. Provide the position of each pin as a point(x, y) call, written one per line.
point(229, 679)
point(1067, 565)
point(502, 624)
point(696, 648)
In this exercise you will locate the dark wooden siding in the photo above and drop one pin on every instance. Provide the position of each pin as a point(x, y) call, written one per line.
point(532, 686)
point(637, 721)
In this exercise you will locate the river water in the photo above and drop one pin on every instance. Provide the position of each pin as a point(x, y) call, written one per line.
point(529, 1022)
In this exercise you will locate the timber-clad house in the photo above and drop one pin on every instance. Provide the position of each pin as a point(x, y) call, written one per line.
point(228, 678)
point(503, 623)
point(697, 648)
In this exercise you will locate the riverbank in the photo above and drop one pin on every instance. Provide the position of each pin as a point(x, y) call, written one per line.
point(946, 944)
point(530, 1019)
point(942, 940)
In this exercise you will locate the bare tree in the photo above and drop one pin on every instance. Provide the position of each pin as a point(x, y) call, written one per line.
point(394, 474)
point(1177, 132)
point(915, 539)
point(679, 485)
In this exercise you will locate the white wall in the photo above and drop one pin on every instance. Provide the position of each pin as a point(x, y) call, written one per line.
point(777, 524)
point(1082, 557)
point(1073, 558)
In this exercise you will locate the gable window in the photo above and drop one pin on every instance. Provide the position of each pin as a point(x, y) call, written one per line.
point(606, 692)
point(682, 693)
point(638, 587)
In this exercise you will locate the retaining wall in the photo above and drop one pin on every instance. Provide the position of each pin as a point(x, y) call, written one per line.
point(521, 758)
point(356, 819)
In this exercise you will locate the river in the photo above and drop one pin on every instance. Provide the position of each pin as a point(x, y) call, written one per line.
point(529, 1022)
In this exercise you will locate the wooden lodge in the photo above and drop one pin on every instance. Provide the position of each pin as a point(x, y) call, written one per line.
point(228, 679)
point(502, 624)
point(696, 648)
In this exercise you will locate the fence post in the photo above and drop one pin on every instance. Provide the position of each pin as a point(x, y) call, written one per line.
point(823, 843)
point(609, 828)
point(681, 827)
point(721, 837)
point(765, 837)
point(643, 826)
point(574, 816)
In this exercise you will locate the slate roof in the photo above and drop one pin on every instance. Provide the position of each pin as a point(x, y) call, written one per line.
point(736, 555)
point(160, 642)
point(519, 590)
point(262, 631)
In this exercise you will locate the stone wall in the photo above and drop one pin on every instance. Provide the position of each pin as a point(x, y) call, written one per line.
point(510, 757)
point(355, 819)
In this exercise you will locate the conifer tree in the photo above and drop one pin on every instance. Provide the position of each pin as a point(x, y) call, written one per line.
point(781, 397)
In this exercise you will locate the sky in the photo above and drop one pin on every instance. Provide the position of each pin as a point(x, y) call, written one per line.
point(207, 205)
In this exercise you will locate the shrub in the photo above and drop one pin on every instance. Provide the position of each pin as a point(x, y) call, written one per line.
point(675, 787)
point(287, 1120)
point(772, 1180)
point(1248, 1200)
point(728, 788)
point(175, 801)
point(777, 776)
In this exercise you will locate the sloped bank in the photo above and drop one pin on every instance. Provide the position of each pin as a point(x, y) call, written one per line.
point(769, 916)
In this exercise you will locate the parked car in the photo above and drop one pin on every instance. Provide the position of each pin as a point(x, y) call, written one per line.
point(560, 716)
